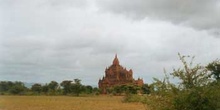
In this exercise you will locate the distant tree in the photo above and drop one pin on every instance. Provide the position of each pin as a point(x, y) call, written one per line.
point(118, 90)
point(77, 81)
point(12, 87)
point(45, 89)
point(66, 86)
point(123, 89)
point(37, 88)
point(5, 86)
point(87, 89)
point(17, 88)
point(96, 91)
point(76, 87)
point(53, 85)
point(59, 91)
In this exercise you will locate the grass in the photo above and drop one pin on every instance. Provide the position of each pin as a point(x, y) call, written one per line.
point(66, 103)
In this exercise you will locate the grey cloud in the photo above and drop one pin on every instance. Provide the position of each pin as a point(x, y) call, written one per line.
point(44, 3)
point(38, 17)
point(200, 14)
point(70, 3)
point(42, 41)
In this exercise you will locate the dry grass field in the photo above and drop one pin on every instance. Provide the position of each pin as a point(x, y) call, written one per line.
point(66, 103)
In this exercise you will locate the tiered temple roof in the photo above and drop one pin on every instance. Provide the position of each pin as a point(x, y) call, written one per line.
point(117, 75)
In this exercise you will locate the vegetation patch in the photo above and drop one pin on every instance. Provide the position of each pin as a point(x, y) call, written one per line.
point(198, 89)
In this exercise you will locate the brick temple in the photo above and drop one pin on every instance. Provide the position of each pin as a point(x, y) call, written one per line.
point(117, 75)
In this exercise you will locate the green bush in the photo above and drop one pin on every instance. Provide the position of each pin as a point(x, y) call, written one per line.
point(196, 89)
point(157, 102)
point(193, 100)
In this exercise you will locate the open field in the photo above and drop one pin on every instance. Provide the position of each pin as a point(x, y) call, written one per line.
point(66, 103)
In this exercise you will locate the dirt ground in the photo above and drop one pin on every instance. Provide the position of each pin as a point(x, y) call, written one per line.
point(66, 103)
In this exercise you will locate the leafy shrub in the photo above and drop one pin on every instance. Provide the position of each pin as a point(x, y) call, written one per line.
point(133, 98)
point(157, 102)
point(196, 89)
point(193, 100)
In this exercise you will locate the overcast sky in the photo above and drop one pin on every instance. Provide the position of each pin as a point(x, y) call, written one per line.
point(45, 40)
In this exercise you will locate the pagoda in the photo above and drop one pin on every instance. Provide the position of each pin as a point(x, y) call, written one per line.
point(117, 75)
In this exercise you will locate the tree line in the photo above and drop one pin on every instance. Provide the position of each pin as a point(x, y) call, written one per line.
point(66, 87)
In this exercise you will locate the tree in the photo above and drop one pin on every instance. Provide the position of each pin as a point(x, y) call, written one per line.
point(123, 89)
point(194, 90)
point(12, 87)
point(45, 89)
point(17, 88)
point(37, 88)
point(118, 90)
point(5, 86)
point(76, 87)
point(214, 67)
point(53, 85)
point(66, 86)
point(96, 91)
point(87, 89)
point(190, 76)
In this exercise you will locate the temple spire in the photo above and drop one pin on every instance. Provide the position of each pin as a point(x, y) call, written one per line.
point(115, 61)
point(117, 75)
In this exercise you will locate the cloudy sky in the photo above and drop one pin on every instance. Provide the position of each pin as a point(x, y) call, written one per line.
point(45, 40)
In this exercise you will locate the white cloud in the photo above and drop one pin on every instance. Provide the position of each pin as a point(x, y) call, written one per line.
point(42, 41)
